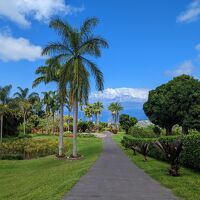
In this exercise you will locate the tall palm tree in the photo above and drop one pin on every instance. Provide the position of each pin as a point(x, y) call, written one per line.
point(75, 47)
point(88, 111)
point(25, 100)
point(51, 73)
point(97, 109)
point(4, 103)
point(115, 108)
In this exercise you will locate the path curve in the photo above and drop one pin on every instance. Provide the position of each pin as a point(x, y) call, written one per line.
point(115, 177)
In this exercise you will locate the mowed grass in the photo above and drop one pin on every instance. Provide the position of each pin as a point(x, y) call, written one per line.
point(46, 178)
point(186, 186)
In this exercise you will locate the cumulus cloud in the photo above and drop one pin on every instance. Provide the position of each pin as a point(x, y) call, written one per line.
point(20, 11)
point(121, 95)
point(15, 49)
point(191, 13)
point(186, 67)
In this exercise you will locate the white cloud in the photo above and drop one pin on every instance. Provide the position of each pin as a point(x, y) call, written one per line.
point(20, 11)
point(121, 95)
point(184, 68)
point(15, 49)
point(192, 12)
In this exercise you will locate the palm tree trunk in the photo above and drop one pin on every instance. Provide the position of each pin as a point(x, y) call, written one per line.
point(47, 127)
point(53, 123)
point(24, 123)
point(1, 127)
point(75, 120)
point(61, 145)
point(97, 118)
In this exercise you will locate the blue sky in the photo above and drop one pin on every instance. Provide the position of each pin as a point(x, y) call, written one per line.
point(150, 41)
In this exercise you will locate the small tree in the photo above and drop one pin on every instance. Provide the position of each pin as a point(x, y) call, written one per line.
point(26, 101)
point(126, 122)
point(176, 102)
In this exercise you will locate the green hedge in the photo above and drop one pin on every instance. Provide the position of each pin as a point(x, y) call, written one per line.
point(28, 148)
point(190, 156)
point(139, 132)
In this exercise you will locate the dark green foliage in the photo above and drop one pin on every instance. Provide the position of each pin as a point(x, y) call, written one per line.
point(11, 124)
point(189, 157)
point(138, 132)
point(28, 148)
point(157, 130)
point(141, 145)
point(83, 126)
point(176, 102)
point(171, 149)
point(126, 122)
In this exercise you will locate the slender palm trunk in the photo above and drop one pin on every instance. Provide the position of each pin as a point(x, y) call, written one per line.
point(97, 121)
point(47, 118)
point(24, 123)
point(61, 144)
point(1, 127)
point(75, 120)
point(53, 117)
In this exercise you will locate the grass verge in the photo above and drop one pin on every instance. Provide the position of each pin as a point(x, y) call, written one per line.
point(46, 178)
point(185, 186)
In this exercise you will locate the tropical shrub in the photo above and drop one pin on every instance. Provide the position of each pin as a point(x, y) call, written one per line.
point(140, 132)
point(141, 145)
point(29, 148)
point(87, 135)
point(189, 156)
point(83, 126)
point(157, 130)
point(126, 122)
point(171, 148)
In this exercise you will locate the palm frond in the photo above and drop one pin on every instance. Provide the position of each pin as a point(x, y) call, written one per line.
point(88, 25)
point(97, 74)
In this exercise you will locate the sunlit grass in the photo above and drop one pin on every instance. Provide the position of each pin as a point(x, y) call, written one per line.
point(46, 178)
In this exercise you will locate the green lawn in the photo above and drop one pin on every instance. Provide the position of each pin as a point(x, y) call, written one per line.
point(46, 178)
point(186, 186)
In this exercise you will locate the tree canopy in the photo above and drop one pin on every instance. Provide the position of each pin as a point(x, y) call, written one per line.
point(175, 102)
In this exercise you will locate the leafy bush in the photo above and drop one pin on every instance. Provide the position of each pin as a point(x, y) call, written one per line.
point(171, 149)
point(83, 126)
point(126, 122)
point(140, 132)
point(157, 130)
point(189, 157)
point(141, 145)
point(86, 135)
point(103, 124)
point(29, 148)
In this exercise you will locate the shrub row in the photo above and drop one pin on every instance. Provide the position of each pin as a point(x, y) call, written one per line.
point(190, 155)
point(138, 132)
point(28, 148)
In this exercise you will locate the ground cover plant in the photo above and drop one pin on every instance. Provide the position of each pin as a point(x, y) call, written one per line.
point(28, 148)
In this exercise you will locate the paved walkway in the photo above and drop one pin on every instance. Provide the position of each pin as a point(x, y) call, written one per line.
point(115, 177)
